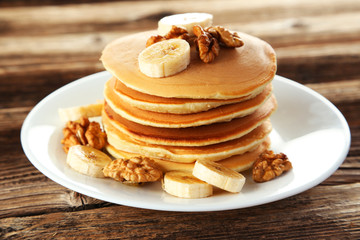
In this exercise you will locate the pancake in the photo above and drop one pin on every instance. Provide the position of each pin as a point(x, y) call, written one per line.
point(236, 72)
point(171, 105)
point(237, 162)
point(245, 161)
point(168, 120)
point(189, 154)
point(195, 136)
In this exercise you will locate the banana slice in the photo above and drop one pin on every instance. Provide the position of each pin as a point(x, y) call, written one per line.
point(75, 113)
point(87, 160)
point(183, 184)
point(185, 20)
point(165, 58)
point(219, 176)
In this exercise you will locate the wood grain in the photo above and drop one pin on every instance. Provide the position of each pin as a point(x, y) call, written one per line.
point(326, 216)
point(47, 44)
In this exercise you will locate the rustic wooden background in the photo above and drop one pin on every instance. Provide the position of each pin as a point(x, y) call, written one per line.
point(47, 44)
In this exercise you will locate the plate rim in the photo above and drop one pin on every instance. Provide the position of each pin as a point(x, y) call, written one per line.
point(184, 208)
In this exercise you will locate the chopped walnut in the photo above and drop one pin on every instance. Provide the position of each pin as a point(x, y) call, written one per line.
point(225, 37)
point(270, 165)
point(83, 132)
point(175, 32)
point(206, 44)
point(135, 170)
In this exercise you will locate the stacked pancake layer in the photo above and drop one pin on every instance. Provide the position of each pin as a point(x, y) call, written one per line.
point(217, 112)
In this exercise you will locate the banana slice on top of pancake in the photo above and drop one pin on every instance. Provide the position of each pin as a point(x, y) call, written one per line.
point(165, 58)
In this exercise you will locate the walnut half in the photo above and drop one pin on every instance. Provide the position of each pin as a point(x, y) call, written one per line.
point(270, 165)
point(175, 32)
point(135, 170)
point(225, 37)
point(206, 44)
point(83, 132)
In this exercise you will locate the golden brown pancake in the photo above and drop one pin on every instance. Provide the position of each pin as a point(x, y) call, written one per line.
point(235, 73)
point(195, 136)
point(237, 163)
point(171, 105)
point(245, 161)
point(189, 154)
point(169, 120)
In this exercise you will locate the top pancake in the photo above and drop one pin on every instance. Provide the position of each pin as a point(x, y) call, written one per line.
point(235, 73)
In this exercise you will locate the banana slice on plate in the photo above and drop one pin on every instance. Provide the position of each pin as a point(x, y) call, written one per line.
point(75, 113)
point(185, 20)
point(165, 58)
point(219, 175)
point(183, 184)
point(87, 160)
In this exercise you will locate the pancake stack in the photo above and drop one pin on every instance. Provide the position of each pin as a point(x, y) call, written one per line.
point(216, 112)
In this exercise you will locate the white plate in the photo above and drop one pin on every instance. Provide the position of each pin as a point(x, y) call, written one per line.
point(307, 127)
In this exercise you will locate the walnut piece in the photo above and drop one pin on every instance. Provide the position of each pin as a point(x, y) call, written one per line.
point(95, 137)
point(270, 165)
point(175, 32)
point(225, 37)
point(83, 132)
point(154, 39)
point(135, 170)
point(206, 44)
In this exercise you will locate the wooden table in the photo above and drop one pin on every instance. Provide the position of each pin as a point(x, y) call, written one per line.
point(45, 47)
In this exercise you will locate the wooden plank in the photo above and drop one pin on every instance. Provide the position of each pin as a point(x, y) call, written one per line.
point(53, 19)
point(351, 112)
point(345, 95)
point(21, 3)
point(326, 212)
point(26, 191)
point(279, 33)
point(340, 91)
point(302, 30)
